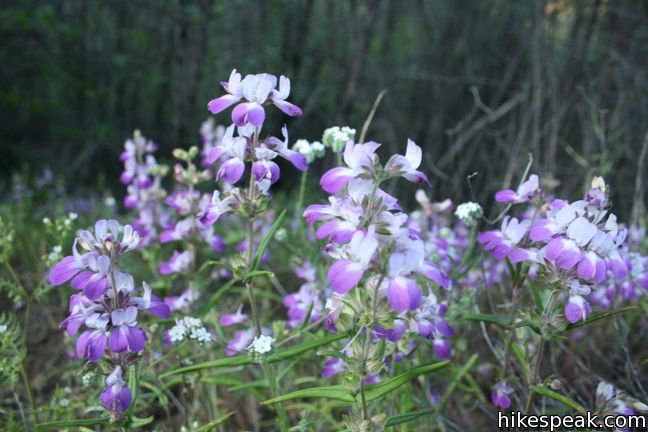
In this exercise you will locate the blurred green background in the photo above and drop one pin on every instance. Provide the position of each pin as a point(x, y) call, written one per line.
point(479, 84)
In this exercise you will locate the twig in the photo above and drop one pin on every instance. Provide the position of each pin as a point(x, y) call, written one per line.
point(370, 117)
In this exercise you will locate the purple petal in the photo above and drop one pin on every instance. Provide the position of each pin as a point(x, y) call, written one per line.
point(344, 275)
point(118, 341)
point(335, 179)
point(442, 348)
point(576, 309)
point(136, 339)
point(506, 196)
point(214, 154)
point(64, 270)
point(403, 294)
point(231, 171)
point(291, 109)
point(219, 104)
point(249, 112)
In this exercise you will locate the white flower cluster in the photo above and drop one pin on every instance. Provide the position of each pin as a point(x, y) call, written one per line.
point(312, 150)
point(55, 255)
point(336, 137)
point(469, 212)
point(189, 328)
point(261, 344)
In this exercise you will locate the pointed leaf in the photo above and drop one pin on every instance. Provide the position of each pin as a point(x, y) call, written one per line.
point(595, 317)
point(207, 427)
point(557, 396)
point(378, 390)
point(58, 424)
point(337, 392)
point(243, 360)
point(266, 240)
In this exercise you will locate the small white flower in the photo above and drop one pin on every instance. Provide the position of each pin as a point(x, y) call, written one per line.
point(312, 150)
point(189, 328)
point(110, 201)
point(73, 216)
point(261, 344)
point(64, 402)
point(3, 328)
point(46, 220)
point(469, 212)
point(177, 333)
point(336, 137)
point(281, 234)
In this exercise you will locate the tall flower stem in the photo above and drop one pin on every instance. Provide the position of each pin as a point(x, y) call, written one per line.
point(250, 259)
point(268, 370)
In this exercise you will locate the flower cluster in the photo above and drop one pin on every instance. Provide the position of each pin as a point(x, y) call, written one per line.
point(143, 175)
point(374, 248)
point(250, 94)
point(579, 243)
point(189, 328)
point(336, 137)
point(107, 305)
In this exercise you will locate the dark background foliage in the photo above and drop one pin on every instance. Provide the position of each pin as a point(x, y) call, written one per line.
point(478, 84)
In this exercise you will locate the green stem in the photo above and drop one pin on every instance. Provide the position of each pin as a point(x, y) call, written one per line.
point(363, 376)
point(302, 192)
point(30, 395)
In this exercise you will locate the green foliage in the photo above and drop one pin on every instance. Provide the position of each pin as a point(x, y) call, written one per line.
point(12, 350)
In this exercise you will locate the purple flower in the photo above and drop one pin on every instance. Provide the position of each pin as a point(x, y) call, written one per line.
point(241, 340)
point(255, 90)
point(405, 166)
point(125, 334)
point(215, 209)
point(345, 273)
point(92, 342)
point(523, 194)
point(500, 396)
point(179, 262)
point(237, 317)
point(403, 294)
point(116, 397)
point(150, 303)
point(502, 243)
point(332, 367)
point(359, 158)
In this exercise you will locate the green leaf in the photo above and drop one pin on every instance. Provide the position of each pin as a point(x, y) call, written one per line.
point(207, 427)
point(595, 317)
point(266, 240)
point(557, 396)
point(135, 422)
point(397, 419)
point(133, 384)
point(337, 392)
point(244, 360)
point(343, 393)
point(498, 320)
point(253, 274)
point(377, 390)
point(58, 424)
